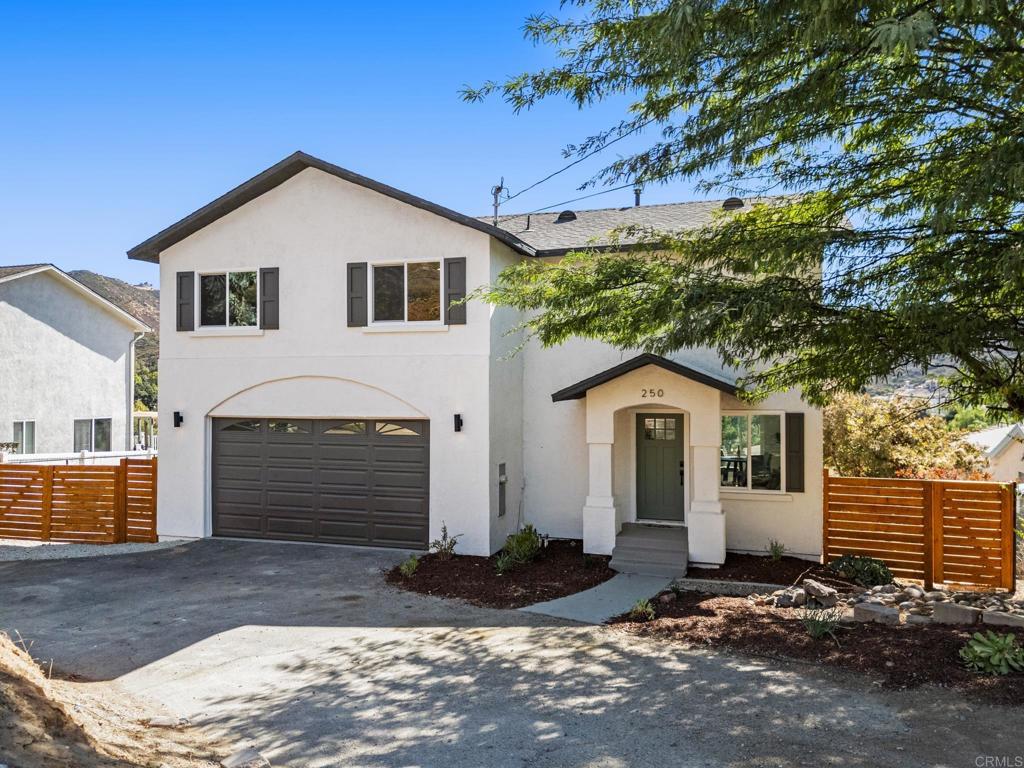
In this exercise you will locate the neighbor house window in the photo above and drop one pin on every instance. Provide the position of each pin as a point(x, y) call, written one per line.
point(25, 436)
point(409, 292)
point(228, 299)
point(752, 451)
point(92, 434)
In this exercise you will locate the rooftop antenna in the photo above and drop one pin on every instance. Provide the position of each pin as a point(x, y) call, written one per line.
point(636, 195)
point(496, 191)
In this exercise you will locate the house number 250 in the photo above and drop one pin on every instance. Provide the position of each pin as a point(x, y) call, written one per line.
point(647, 394)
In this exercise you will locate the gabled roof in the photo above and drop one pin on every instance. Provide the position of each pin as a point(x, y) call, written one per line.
point(276, 175)
point(7, 274)
point(580, 388)
point(552, 234)
point(994, 440)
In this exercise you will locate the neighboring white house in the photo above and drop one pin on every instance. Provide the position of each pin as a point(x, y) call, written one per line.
point(316, 384)
point(66, 364)
point(1004, 450)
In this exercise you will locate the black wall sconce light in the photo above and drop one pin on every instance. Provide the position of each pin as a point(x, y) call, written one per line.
point(178, 419)
point(458, 422)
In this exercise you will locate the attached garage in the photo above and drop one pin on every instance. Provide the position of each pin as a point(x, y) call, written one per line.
point(337, 481)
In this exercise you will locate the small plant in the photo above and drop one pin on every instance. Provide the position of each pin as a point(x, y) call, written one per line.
point(822, 622)
point(520, 548)
point(642, 610)
point(444, 547)
point(504, 563)
point(408, 567)
point(776, 549)
point(866, 571)
point(589, 561)
point(992, 654)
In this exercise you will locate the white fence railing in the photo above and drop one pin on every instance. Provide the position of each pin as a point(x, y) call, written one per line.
point(82, 457)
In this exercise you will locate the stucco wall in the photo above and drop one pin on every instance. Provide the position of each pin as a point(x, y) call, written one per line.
point(505, 377)
point(310, 227)
point(1008, 466)
point(62, 357)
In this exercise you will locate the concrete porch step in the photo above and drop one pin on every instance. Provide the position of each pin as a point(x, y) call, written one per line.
point(650, 550)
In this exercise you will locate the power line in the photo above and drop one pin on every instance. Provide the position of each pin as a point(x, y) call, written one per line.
point(576, 199)
point(581, 159)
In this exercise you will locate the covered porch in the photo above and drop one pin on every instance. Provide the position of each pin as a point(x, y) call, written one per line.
point(653, 433)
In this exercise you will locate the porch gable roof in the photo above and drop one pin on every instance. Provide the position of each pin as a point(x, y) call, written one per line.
point(580, 388)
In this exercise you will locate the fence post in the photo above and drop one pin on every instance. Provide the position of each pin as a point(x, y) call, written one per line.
point(938, 532)
point(1009, 508)
point(152, 504)
point(824, 515)
point(121, 502)
point(47, 512)
point(928, 519)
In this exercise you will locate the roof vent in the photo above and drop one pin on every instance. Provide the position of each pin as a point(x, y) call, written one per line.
point(733, 204)
point(565, 216)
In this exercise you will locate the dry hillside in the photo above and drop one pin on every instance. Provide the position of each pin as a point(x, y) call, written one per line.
point(140, 302)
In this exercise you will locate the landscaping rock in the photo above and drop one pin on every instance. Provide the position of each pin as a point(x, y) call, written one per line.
point(1001, 619)
point(917, 618)
point(955, 613)
point(880, 614)
point(817, 589)
point(799, 597)
point(668, 597)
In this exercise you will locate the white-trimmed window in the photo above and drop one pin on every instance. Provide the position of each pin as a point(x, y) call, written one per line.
point(25, 436)
point(228, 299)
point(406, 292)
point(753, 451)
point(92, 434)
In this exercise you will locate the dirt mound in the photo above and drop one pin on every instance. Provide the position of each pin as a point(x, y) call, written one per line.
point(53, 724)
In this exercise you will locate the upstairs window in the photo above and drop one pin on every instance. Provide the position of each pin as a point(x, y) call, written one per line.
point(408, 292)
point(228, 299)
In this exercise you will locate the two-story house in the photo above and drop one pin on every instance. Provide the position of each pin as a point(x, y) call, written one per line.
point(66, 364)
point(318, 384)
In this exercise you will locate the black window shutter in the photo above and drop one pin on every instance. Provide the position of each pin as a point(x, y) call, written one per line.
point(454, 290)
point(357, 295)
point(795, 452)
point(186, 287)
point(270, 305)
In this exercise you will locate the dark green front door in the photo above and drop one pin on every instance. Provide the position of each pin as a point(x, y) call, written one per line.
point(659, 466)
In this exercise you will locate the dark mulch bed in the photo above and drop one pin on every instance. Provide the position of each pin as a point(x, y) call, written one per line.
point(898, 657)
point(561, 569)
point(786, 571)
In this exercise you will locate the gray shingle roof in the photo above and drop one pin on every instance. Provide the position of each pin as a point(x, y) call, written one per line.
point(17, 269)
point(591, 227)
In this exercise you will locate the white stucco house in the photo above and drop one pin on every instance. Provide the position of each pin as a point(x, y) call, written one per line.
point(1003, 447)
point(66, 364)
point(317, 385)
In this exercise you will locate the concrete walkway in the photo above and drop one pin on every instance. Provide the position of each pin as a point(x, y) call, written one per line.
point(597, 605)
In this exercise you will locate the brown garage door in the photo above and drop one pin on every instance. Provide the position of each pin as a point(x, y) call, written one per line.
point(341, 481)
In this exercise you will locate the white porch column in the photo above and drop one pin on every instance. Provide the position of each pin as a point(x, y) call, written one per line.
point(705, 523)
point(600, 522)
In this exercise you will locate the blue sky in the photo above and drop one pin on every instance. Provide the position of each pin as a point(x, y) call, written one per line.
point(119, 119)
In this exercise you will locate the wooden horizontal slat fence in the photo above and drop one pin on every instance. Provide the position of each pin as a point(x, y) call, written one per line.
point(938, 531)
point(99, 504)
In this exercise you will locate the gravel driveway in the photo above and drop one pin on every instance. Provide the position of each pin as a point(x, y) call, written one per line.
point(304, 653)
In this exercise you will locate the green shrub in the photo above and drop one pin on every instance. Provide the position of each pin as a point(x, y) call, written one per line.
point(822, 622)
point(445, 546)
point(642, 610)
point(776, 549)
point(408, 567)
point(866, 571)
point(504, 563)
point(992, 654)
point(520, 548)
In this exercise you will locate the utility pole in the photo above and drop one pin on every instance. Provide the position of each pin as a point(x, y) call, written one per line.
point(496, 192)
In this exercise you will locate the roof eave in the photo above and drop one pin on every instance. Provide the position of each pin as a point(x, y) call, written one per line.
point(150, 249)
point(579, 390)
